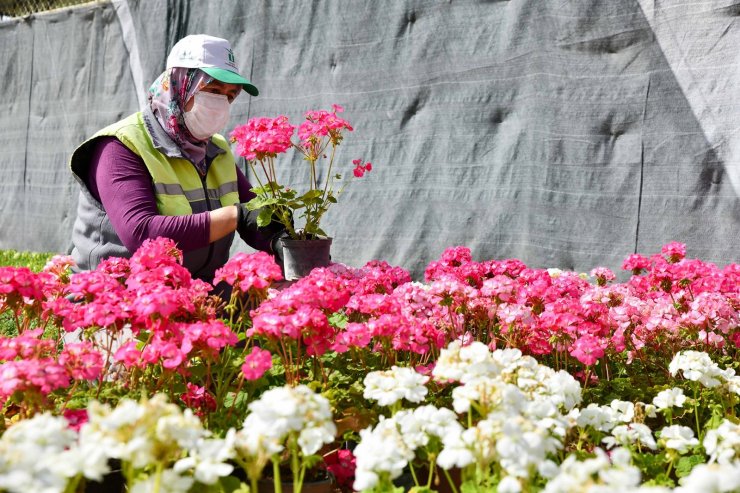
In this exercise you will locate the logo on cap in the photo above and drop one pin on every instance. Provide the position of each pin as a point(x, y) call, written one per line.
point(231, 60)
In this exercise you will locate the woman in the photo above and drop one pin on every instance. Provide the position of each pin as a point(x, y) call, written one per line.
point(166, 171)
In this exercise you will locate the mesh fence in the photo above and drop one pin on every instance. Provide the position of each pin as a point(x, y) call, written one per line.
point(20, 8)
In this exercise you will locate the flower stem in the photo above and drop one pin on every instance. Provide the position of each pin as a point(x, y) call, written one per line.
point(158, 477)
point(449, 480)
point(277, 483)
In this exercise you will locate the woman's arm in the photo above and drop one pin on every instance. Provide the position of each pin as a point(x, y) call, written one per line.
point(257, 240)
point(120, 180)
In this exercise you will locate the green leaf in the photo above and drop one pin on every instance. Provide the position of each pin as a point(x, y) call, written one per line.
point(471, 487)
point(422, 489)
point(264, 218)
point(312, 195)
point(240, 400)
point(338, 319)
point(687, 463)
point(230, 484)
point(652, 465)
point(261, 201)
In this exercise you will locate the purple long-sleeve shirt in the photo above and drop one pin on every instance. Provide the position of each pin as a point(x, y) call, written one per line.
point(119, 179)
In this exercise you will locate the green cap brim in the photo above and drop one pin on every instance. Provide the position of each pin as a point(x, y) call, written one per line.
point(231, 78)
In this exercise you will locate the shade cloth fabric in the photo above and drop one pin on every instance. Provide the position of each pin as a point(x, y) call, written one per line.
point(565, 134)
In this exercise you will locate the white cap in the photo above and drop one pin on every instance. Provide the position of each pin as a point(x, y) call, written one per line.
point(212, 55)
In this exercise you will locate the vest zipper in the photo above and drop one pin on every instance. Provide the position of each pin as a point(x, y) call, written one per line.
point(208, 206)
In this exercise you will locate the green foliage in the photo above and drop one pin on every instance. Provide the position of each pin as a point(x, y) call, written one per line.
point(12, 258)
point(32, 260)
point(686, 464)
point(472, 487)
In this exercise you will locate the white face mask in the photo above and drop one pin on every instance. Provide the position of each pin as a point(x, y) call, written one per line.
point(209, 114)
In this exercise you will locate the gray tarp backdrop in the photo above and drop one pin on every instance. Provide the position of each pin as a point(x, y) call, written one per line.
point(564, 133)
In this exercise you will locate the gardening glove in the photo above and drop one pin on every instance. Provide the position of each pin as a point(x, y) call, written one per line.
point(277, 246)
point(246, 225)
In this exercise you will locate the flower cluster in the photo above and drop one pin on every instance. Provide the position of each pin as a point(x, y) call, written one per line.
point(361, 168)
point(525, 379)
point(262, 139)
point(292, 418)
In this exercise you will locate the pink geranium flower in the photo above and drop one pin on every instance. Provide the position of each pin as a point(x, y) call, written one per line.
point(263, 137)
point(76, 418)
point(361, 168)
point(587, 349)
point(256, 363)
point(244, 272)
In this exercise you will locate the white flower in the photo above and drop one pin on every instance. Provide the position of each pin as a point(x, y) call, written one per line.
point(456, 452)
point(711, 478)
point(437, 421)
point(669, 398)
point(281, 411)
point(463, 363)
point(418, 425)
point(255, 439)
point(597, 474)
point(625, 411)
point(390, 386)
point(88, 459)
point(278, 409)
point(170, 482)
point(621, 475)
point(650, 410)
point(631, 434)
point(723, 443)
point(31, 453)
point(208, 459)
point(381, 450)
point(489, 394)
point(47, 432)
point(509, 484)
point(523, 444)
point(184, 428)
point(140, 432)
point(602, 418)
point(678, 438)
point(697, 366)
point(733, 384)
point(562, 389)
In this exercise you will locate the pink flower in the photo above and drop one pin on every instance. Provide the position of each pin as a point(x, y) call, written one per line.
point(636, 263)
point(207, 338)
point(602, 275)
point(59, 265)
point(17, 283)
point(256, 363)
point(155, 253)
point(116, 267)
point(361, 168)
point(76, 418)
point(244, 272)
point(342, 464)
point(674, 251)
point(198, 399)
point(587, 349)
point(82, 361)
point(172, 355)
point(319, 124)
point(129, 355)
point(263, 137)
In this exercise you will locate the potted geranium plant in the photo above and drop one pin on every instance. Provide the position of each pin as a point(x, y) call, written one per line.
point(260, 141)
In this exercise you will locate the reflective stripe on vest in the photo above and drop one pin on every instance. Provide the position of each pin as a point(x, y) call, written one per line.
point(177, 185)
